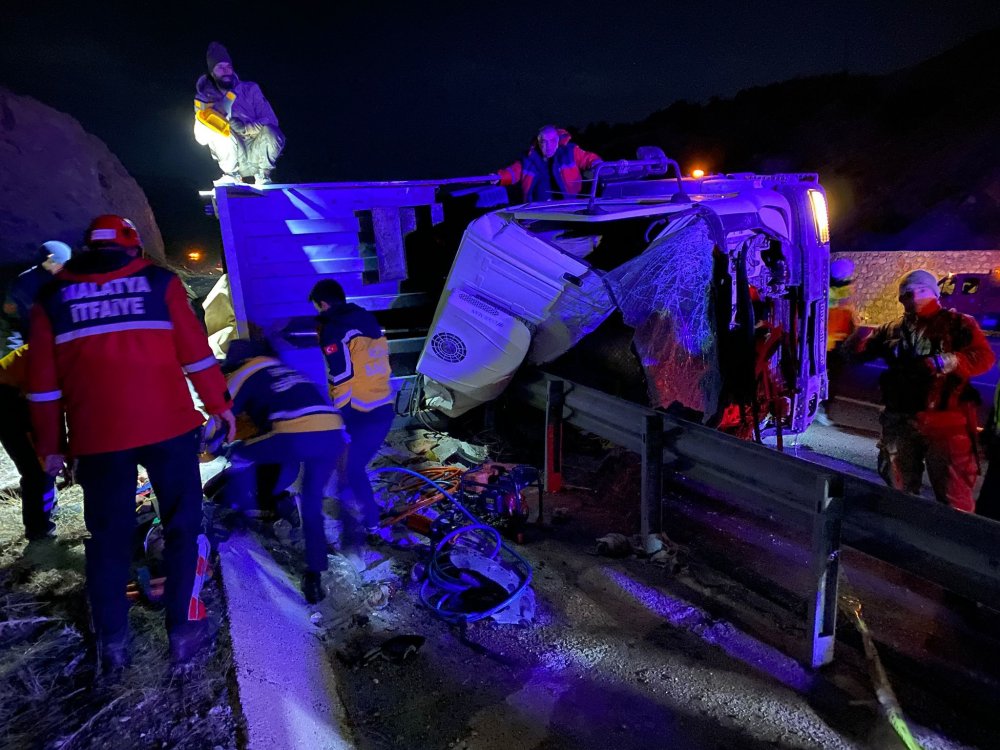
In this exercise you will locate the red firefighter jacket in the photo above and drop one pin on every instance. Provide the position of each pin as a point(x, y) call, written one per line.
point(910, 384)
point(111, 350)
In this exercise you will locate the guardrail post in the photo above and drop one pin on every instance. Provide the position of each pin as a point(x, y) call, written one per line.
point(822, 617)
point(651, 521)
point(554, 401)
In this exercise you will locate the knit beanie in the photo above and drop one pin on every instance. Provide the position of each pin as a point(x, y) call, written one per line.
point(216, 54)
point(923, 279)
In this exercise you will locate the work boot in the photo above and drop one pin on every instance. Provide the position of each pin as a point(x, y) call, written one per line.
point(40, 534)
point(312, 587)
point(112, 655)
point(227, 179)
point(187, 640)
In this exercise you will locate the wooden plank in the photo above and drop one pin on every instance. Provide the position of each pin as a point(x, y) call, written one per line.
point(388, 225)
point(257, 250)
point(321, 199)
point(267, 313)
point(298, 227)
point(260, 223)
point(313, 269)
point(288, 289)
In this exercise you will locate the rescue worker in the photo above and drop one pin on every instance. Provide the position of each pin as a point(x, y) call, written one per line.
point(297, 429)
point(112, 339)
point(552, 169)
point(38, 489)
point(357, 364)
point(252, 141)
point(930, 406)
point(25, 288)
point(841, 322)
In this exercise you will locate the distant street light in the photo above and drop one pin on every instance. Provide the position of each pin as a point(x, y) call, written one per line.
point(697, 173)
point(195, 255)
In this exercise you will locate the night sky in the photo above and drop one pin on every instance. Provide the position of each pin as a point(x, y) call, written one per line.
point(423, 90)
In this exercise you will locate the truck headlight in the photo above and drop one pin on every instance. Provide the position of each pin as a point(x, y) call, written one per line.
point(820, 216)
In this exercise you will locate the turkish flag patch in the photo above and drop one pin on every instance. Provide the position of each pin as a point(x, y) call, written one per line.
point(330, 348)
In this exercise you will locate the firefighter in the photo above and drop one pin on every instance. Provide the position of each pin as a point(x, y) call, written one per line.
point(112, 339)
point(930, 407)
point(357, 363)
point(297, 429)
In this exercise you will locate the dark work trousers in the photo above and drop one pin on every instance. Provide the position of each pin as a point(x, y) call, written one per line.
point(945, 449)
point(109, 482)
point(366, 431)
point(317, 455)
point(38, 489)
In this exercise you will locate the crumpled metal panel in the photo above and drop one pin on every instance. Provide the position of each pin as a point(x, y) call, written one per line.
point(665, 295)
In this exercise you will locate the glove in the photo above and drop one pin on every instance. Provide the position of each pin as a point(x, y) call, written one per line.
point(940, 364)
point(230, 420)
point(54, 464)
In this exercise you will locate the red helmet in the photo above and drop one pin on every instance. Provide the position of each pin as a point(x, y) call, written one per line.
point(112, 230)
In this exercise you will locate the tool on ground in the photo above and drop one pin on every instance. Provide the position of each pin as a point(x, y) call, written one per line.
point(398, 649)
point(850, 605)
point(471, 573)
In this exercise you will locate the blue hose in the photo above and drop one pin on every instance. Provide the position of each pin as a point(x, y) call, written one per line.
point(444, 582)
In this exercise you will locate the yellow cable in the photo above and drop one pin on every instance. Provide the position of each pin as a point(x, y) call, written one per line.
point(850, 605)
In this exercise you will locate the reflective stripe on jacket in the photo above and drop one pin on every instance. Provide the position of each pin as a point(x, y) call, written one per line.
point(357, 358)
point(279, 399)
point(112, 350)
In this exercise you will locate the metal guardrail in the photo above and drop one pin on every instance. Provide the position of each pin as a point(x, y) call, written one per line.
point(960, 552)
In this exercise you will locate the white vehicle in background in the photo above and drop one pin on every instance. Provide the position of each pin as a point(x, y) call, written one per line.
point(721, 281)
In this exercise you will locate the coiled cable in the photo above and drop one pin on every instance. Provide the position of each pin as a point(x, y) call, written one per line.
point(446, 584)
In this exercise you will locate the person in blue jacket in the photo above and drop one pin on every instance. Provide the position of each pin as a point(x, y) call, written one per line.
point(358, 373)
point(297, 429)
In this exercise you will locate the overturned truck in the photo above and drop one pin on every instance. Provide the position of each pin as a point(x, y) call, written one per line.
point(707, 295)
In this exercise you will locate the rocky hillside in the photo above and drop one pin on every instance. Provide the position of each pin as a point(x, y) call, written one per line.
point(911, 159)
point(55, 177)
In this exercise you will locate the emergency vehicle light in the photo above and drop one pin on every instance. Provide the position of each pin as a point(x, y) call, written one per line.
point(820, 216)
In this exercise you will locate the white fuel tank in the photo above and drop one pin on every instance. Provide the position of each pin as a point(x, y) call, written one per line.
point(472, 351)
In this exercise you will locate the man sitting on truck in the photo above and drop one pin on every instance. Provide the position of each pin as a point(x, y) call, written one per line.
point(552, 168)
point(930, 406)
point(236, 122)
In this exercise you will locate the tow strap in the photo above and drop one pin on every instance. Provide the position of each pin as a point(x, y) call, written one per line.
point(850, 605)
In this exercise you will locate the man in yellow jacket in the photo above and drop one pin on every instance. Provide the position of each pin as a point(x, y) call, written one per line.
point(357, 363)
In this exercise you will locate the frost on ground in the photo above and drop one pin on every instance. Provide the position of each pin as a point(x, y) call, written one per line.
point(48, 694)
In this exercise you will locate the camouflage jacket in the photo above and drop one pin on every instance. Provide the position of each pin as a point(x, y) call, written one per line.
point(930, 360)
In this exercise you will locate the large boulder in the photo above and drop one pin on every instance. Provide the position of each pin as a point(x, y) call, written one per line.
point(55, 178)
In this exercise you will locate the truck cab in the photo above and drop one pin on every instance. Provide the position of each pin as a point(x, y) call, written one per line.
point(720, 283)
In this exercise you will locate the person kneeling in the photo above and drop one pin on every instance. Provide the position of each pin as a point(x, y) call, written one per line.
point(299, 431)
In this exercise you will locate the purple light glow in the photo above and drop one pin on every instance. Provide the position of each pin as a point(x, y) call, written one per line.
point(734, 642)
